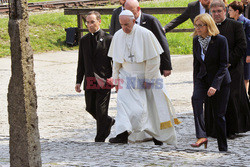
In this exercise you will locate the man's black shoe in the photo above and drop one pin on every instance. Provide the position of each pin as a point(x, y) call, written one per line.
point(231, 136)
point(99, 140)
point(102, 136)
point(112, 122)
point(157, 142)
point(224, 151)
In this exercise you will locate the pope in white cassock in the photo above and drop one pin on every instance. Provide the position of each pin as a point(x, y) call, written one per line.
point(143, 106)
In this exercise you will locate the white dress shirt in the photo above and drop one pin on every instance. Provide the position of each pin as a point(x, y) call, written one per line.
point(202, 9)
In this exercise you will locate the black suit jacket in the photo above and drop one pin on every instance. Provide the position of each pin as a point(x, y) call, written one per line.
point(190, 12)
point(153, 24)
point(115, 24)
point(236, 38)
point(90, 61)
point(214, 67)
point(247, 11)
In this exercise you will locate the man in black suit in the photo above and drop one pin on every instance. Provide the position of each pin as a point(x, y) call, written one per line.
point(246, 12)
point(193, 10)
point(152, 24)
point(115, 24)
point(238, 110)
point(95, 66)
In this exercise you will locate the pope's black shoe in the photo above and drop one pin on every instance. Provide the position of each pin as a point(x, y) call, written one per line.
point(157, 142)
point(121, 138)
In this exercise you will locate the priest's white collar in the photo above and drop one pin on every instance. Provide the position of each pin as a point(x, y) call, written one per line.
point(202, 9)
point(96, 31)
point(218, 24)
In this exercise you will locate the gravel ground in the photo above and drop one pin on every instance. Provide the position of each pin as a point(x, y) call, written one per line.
point(67, 131)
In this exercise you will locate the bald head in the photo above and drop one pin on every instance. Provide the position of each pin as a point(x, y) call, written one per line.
point(133, 2)
point(133, 6)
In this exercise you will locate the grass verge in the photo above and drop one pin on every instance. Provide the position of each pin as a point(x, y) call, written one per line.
point(47, 30)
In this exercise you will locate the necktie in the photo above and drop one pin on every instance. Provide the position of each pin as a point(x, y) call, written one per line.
point(207, 11)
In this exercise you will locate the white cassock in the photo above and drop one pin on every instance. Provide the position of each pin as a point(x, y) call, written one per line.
point(141, 112)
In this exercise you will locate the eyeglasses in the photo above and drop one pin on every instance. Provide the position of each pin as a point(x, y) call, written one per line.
point(216, 11)
point(199, 25)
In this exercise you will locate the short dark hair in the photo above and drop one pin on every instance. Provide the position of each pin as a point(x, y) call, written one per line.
point(236, 5)
point(97, 14)
point(217, 3)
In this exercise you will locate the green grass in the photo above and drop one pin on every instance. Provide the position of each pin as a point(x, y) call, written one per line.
point(4, 38)
point(47, 31)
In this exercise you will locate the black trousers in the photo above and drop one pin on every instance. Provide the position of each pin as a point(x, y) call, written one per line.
point(219, 101)
point(97, 103)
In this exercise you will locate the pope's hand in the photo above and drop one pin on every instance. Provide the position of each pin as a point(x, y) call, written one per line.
point(78, 88)
point(211, 91)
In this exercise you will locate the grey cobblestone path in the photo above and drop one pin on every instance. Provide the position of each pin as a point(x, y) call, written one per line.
point(67, 131)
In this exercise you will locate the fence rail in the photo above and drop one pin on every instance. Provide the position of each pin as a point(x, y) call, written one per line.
point(56, 4)
point(4, 1)
point(108, 11)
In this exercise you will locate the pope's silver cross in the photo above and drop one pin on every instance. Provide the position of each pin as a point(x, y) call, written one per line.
point(131, 57)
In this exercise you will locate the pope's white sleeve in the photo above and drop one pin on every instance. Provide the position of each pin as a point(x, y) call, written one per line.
point(152, 69)
point(116, 68)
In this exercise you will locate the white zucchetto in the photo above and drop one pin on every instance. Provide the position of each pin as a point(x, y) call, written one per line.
point(127, 13)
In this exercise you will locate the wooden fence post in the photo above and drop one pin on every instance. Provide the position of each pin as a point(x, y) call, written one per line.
point(80, 26)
